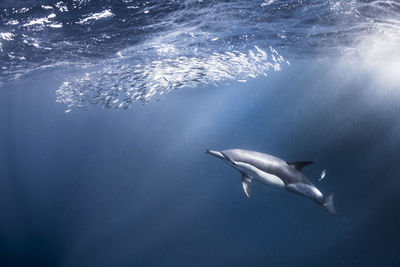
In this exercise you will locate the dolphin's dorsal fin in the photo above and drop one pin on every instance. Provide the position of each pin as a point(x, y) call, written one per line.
point(246, 183)
point(298, 165)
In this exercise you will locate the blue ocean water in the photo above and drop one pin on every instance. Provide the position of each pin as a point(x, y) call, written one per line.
point(106, 108)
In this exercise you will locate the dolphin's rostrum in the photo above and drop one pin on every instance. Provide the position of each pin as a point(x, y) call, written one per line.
point(273, 171)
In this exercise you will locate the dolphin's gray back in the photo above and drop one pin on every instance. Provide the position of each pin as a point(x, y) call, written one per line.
point(267, 163)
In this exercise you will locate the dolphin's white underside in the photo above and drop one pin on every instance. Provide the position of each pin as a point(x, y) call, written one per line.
point(257, 174)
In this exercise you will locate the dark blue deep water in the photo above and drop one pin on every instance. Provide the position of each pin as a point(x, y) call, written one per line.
point(106, 108)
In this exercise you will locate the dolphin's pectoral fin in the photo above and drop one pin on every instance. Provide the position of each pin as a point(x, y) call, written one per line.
point(246, 183)
point(298, 165)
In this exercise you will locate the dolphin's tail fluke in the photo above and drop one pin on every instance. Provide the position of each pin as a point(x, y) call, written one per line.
point(328, 204)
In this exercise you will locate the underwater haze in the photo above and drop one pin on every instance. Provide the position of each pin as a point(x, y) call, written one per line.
point(107, 107)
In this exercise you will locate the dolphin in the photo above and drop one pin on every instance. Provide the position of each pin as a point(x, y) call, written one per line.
point(273, 171)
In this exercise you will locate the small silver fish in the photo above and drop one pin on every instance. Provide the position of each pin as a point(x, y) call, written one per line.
point(323, 173)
